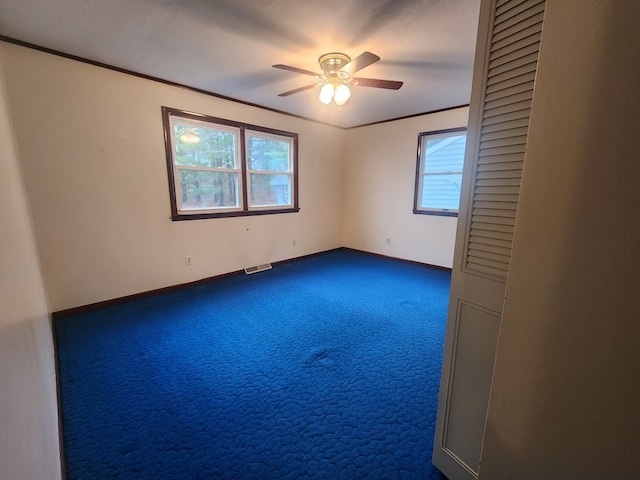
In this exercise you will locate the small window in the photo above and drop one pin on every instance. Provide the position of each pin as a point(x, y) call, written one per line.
point(439, 172)
point(220, 168)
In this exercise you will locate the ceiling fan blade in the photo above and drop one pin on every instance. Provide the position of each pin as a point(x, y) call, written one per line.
point(374, 82)
point(361, 61)
point(297, 70)
point(298, 90)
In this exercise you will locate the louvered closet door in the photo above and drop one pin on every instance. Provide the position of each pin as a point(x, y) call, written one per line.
point(503, 85)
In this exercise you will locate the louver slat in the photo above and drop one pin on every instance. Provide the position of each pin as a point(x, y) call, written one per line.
point(503, 6)
point(503, 141)
point(511, 128)
point(484, 265)
point(511, 59)
point(488, 255)
point(500, 103)
point(510, 87)
point(508, 133)
point(496, 175)
point(515, 46)
point(510, 108)
point(494, 220)
point(529, 59)
point(490, 229)
point(518, 32)
point(505, 251)
point(511, 190)
point(497, 196)
point(526, 13)
point(481, 243)
point(498, 182)
point(506, 117)
point(500, 74)
point(507, 125)
point(493, 212)
point(503, 135)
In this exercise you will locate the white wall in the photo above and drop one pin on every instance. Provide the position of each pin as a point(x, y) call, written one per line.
point(28, 413)
point(92, 150)
point(566, 390)
point(379, 179)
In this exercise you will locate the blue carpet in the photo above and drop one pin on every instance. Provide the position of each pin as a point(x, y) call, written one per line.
point(322, 368)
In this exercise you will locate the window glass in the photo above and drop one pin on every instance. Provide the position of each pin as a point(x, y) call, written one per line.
point(204, 147)
point(201, 189)
point(270, 190)
point(268, 154)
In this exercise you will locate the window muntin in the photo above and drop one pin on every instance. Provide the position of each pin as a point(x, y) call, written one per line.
point(220, 168)
point(439, 171)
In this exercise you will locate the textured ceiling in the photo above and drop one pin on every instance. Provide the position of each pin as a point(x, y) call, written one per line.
point(227, 47)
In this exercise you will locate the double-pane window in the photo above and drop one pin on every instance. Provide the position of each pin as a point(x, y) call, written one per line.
point(219, 168)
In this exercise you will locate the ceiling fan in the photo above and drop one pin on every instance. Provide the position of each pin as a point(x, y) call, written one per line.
point(336, 78)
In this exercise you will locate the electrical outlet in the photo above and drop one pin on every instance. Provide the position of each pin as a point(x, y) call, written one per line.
point(187, 261)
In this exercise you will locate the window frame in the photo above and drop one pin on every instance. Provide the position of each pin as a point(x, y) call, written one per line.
point(243, 208)
point(423, 137)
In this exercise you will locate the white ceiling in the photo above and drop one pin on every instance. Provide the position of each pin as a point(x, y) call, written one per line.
point(228, 47)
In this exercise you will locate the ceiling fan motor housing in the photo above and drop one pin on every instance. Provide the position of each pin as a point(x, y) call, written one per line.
point(332, 64)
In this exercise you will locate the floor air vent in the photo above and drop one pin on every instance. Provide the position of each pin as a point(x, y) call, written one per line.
point(257, 268)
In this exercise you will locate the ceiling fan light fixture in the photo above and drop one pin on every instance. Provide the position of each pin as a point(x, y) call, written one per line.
point(326, 93)
point(342, 94)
